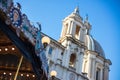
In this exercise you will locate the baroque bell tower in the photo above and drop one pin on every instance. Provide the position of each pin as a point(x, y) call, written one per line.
point(72, 38)
point(73, 26)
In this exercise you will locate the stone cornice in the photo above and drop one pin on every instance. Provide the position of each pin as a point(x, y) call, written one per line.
point(67, 68)
point(108, 61)
point(75, 17)
point(98, 56)
point(72, 71)
point(73, 40)
point(53, 41)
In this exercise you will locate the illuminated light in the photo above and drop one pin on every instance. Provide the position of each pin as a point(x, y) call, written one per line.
point(13, 48)
point(6, 49)
point(45, 41)
point(53, 73)
point(27, 75)
point(4, 73)
point(10, 73)
point(21, 74)
point(72, 65)
point(33, 75)
point(0, 49)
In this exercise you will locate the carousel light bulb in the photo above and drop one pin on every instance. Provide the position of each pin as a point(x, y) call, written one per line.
point(6, 49)
point(33, 75)
point(10, 73)
point(21, 74)
point(13, 48)
point(27, 75)
point(0, 49)
point(4, 73)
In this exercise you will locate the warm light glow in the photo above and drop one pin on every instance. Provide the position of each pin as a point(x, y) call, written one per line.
point(45, 39)
point(33, 75)
point(0, 49)
point(6, 49)
point(27, 75)
point(72, 65)
point(4, 73)
point(53, 73)
point(10, 73)
point(21, 74)
point(13, 48)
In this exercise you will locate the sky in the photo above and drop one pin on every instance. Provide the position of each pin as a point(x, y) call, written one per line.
point(104, 16)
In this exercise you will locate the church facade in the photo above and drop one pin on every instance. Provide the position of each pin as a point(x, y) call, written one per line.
point(77, 55)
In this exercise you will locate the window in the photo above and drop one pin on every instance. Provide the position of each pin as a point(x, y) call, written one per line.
point(72, 60)
point(62, 53)
point(77, 31)
point(98, 74)
point(50, 50)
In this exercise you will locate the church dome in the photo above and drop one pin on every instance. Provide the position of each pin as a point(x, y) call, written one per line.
point(93, 45)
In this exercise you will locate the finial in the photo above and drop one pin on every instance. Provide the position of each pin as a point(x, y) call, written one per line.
point(39, 25)
point(18, 5)
point(86, 18)
point(76, 10)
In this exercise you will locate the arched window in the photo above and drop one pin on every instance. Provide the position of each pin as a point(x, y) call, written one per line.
point(72, 60)
point(77, 31)
point(50, 50)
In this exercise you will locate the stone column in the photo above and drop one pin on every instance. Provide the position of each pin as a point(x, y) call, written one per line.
point(67, 55)
point(101, 73)
point(93, 68)
point(89, 65)
point(73, 27)
point(69, 27)
point(79, 62)
point(62, 30)
point(106, 72)
point(81, 35)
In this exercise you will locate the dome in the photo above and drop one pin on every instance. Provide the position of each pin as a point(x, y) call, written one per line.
point(93, 45)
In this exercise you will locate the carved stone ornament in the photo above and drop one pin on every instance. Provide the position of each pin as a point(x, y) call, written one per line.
point(15, 16)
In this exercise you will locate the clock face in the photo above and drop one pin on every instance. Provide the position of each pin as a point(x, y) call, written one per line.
point(15, 17)
point(71, 76)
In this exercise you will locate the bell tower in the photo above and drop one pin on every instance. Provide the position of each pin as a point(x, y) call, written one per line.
point(72, 37)
point(73, 26)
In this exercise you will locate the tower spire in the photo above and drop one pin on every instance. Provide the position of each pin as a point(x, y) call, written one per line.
point(86, 18)
point(76, 10)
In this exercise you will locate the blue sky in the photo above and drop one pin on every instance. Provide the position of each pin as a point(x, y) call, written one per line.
point(104, 16)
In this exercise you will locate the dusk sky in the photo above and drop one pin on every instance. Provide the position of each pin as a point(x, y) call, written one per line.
point(104, 16)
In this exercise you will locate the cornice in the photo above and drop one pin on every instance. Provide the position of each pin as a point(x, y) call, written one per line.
point(98, 56)
point(53, 41)
point(73, 40)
